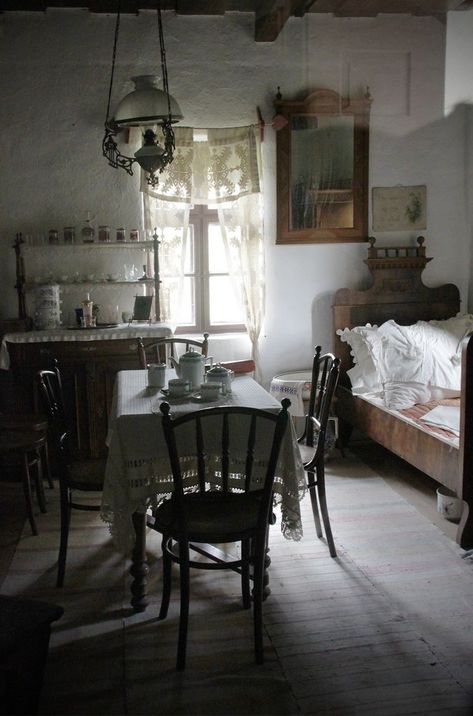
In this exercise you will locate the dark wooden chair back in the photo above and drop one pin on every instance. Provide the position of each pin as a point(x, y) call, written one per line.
point(325, 374)
point(220, 419)
point(158, 351)
point(51, 395)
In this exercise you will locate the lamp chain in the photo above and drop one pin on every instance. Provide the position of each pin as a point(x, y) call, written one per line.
point(164, 69)
point(114, 54)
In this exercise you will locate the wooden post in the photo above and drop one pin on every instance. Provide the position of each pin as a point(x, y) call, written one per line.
point(157, 280)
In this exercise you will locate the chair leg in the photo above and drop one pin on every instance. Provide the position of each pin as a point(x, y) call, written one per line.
point(245, 573)
point(65, 521)
point(324, 509)
point(28, 495)
point(39, 481)
point(313, 499)
point(166, 594)
point(47, 465)
point(259, 556)
point(184, 613)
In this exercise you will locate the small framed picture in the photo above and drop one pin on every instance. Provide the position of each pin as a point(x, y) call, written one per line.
point(142, 308)
point(399, 208)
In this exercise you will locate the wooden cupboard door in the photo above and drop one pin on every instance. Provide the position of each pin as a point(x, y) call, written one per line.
point(88, 370)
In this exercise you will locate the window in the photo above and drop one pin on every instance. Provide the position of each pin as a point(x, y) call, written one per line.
point(197, 290)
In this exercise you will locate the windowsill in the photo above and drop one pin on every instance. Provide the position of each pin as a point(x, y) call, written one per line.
point(214, 336)
point(225, 346)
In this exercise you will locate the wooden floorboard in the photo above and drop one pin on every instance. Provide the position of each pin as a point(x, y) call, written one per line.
point(385, 629)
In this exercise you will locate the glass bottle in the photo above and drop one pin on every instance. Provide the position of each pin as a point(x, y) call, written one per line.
point(145, 275)
point(87, 320)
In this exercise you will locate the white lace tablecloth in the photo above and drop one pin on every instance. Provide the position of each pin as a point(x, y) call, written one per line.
point(122, 330)
point(138, 474)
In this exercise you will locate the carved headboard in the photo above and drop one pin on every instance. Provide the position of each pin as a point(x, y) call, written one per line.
point(397, 293)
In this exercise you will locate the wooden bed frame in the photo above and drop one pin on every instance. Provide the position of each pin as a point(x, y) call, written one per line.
point(398, 293)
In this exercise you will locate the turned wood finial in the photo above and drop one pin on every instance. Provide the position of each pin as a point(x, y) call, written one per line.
point(421, 250)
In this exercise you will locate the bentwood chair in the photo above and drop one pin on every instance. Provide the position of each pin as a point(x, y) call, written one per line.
point(74, 477)
point(312, 443)
point(159, 350)
point(221, 507)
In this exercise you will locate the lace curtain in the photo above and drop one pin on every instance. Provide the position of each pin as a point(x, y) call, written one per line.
point(220, 167)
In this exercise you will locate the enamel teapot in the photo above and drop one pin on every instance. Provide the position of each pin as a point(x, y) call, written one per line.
point(190, 367)
point(220, 374)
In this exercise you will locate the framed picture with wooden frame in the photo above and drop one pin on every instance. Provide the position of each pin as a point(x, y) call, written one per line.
point(142, 308)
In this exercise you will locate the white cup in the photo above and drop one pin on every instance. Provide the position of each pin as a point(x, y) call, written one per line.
point(210, 391)
point(156, 374)
point(178, 387)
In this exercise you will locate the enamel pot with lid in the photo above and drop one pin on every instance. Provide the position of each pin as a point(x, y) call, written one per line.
point(220, 374)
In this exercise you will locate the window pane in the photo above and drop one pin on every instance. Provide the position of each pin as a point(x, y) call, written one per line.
point(217, 258)
point(172, 308)
point(170, 251)
point(225, 307)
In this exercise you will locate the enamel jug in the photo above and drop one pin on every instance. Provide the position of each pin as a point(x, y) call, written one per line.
point(190, 367)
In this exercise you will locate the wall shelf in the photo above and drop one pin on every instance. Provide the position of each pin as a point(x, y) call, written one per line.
point(78, 265)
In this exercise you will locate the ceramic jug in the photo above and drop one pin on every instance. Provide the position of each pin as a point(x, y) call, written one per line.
point(190, 367)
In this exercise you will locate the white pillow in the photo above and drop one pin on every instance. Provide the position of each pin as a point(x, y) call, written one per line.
point(363, 375)
point(398, 353)
point(459, 325)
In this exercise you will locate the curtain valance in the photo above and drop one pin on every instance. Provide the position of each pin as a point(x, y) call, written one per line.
point(210, 166)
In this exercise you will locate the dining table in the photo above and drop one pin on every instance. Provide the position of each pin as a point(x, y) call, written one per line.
point(138, 474)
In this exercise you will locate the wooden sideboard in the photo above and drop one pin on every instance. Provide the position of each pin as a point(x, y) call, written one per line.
point(88, 369)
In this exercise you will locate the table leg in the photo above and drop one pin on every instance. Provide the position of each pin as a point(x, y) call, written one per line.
point(139, 568)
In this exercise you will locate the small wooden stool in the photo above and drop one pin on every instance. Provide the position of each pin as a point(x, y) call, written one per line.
point(27, 446)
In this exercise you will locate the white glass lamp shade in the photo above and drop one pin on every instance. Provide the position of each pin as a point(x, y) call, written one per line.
point(146, 105)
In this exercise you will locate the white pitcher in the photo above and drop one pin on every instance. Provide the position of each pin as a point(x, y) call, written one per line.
point(190, 367)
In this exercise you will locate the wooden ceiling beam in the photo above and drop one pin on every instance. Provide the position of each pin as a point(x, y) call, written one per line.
point(271, 16)
point(190, 7)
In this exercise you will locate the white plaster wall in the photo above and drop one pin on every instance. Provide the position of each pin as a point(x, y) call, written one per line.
point(459, 60)
point(54, 75)
point(459, 100)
